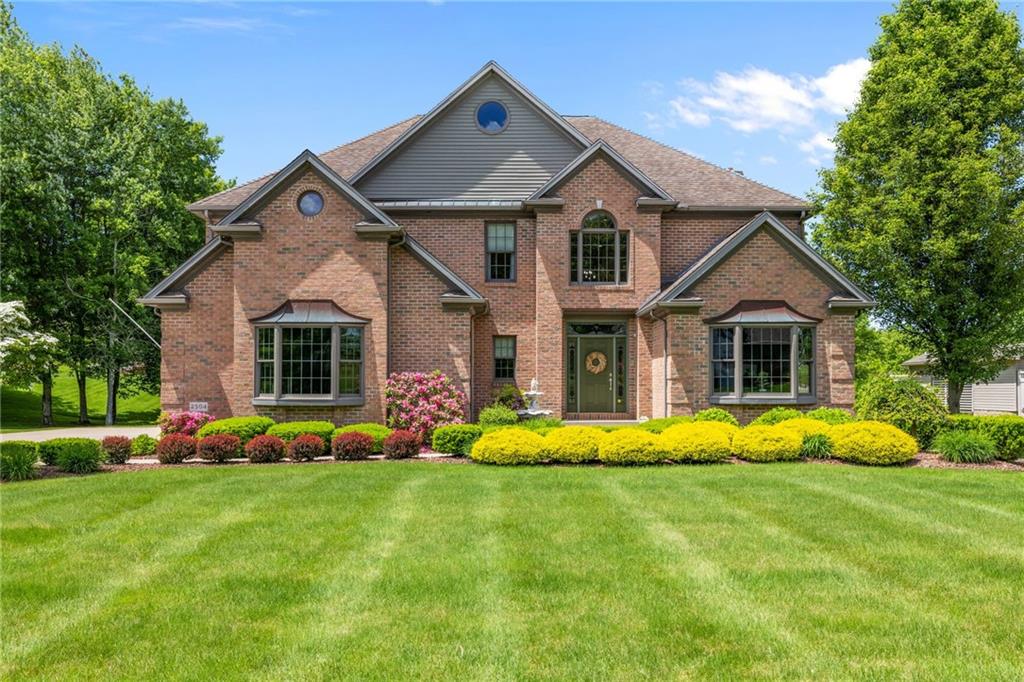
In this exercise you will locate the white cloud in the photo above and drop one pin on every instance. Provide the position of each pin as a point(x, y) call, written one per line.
point(756, 99)
point(840, 86)
point(684, 110)
point(220, 24)
point(653, 88)
point(768, 160)
point(818, 142)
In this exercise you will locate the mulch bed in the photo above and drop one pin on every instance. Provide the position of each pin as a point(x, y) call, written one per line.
point(924, 460)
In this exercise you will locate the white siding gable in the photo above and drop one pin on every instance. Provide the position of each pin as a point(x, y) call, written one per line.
point(453, 159)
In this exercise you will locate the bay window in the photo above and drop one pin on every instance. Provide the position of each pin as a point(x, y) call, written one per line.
point(309, 352)
point(762, 362)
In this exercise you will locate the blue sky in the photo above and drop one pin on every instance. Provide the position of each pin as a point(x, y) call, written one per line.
point(758, 87)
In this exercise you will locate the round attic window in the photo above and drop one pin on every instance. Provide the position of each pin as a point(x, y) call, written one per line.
point(310, 204)
point(492, 117)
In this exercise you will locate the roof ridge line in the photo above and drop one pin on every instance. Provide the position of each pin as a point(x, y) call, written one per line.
point(697, 158)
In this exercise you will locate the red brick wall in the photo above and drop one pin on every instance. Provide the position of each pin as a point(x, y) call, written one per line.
point(685, 237)
point(761, 269)
point(458, 241)
point(197, 345)
point(424, 337)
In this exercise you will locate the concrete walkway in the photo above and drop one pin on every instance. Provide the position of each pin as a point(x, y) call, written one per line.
point(97, 432)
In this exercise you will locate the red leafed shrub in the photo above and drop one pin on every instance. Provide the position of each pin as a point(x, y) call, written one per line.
point(352, 445)
point(219, 447)
point(175, 448)
point(117, 448)
point(401, 444)
point(305, 448)
point(265, 449)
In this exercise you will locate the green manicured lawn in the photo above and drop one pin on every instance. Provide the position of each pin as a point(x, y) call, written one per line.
point(21, 410)
point(412, 570)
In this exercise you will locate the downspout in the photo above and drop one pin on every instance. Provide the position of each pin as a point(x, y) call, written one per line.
point(664, 360)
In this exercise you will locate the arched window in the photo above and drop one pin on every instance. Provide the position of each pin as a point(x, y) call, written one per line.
point(599, 251)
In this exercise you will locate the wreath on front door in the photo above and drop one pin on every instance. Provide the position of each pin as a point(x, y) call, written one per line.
point(596, 362)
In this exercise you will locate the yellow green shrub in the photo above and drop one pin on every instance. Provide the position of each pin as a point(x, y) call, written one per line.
point(697, 442)
point(508, 446)
point(572, 444)
point(726, 429)
point(871, 442)
point(631, 446)
point(767, 444)
point(815, 435)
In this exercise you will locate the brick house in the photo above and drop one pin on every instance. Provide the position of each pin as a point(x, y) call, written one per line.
point(499, 241)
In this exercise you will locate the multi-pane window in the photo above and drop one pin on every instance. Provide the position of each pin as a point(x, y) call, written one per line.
point(598, 252)
point(265, 360)
point(723, 360)
point(306, 360)
point(501, 251)
point(504, 357)
point(767, 360)
point(350, 360)
point(770, 361)
point(322, 362)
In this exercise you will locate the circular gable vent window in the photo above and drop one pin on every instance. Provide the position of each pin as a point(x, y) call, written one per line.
point(311, 203)
point(492, 117)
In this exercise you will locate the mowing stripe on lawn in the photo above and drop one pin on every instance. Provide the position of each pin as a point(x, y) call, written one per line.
point(188, 541)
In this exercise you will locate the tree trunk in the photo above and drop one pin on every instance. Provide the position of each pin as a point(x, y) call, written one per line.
point(954, 389)
point(47, 379)
point(83, 401)
point(112, 381)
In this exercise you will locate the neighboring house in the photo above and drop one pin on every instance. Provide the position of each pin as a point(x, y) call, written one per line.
point(499, 241)
point(1003, 395)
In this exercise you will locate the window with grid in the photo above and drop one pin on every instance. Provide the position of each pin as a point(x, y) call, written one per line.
point(805, 358)
point(306, 360)
point(350, 361)
point(504, 357)
point(265, 361)
point(501, 251)
point(767, 360)
point(723, 361)
point(599, 252)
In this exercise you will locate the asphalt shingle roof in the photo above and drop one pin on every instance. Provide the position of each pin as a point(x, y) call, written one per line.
point(690, 180)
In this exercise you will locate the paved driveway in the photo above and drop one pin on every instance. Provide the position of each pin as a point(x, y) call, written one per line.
point(97, 432)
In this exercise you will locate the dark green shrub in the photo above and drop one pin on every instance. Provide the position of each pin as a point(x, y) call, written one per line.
point(78, 455)
point(18, 460)
point(378, 432)
point(143, 445)
point(289, 431)
point(117, 449)
point(352, 445)
point(175, 448)
point(498, 415)
point(220, 447)
point(659, 425)
point(540, 423)
point(905, 404)
point(1007, 433)
point(456, 439)
point(830, 415)
point(509, 396)
point(246, 428)
point(777, 415)
point(965, 447)
point(716, 414)
point(48, 450)
point(263, 449)
point(402, 444)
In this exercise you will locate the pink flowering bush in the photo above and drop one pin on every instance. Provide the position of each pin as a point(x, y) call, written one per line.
point(183, 422)
point(420, 402)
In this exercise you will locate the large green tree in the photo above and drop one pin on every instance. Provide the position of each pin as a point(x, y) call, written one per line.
point(95, 176)
point(924, 204)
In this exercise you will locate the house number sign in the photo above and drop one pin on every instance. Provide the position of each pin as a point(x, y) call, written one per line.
point(199, 406)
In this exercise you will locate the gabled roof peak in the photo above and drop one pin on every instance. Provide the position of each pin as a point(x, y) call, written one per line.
point(601, 147)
